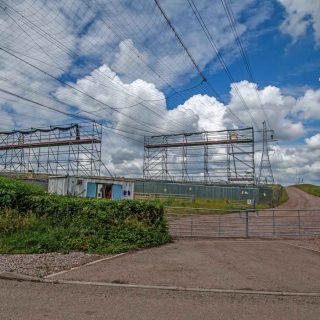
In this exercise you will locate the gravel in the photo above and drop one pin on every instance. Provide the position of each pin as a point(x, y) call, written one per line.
point(41, 265)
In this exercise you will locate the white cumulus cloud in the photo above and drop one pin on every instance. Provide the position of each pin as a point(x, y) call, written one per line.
point(314, 141)
point(301, 15)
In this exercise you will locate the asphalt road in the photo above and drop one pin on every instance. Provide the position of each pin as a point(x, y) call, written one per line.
point(38, 301)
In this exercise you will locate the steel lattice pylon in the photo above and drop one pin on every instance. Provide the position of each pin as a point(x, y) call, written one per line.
point(225, 156)
point(265, 173)
point(74, 150)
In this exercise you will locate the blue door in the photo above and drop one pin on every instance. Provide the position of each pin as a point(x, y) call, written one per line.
point(91, 190)
point(116, 192)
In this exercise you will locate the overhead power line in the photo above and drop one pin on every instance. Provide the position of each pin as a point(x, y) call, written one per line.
point(79, 117)
point(180, 40)
point(49, 37)
point(204, 79)
point(80, 91)
point(220, 58)
point(233, 23)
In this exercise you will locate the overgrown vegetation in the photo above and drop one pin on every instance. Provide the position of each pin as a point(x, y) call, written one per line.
point(310, 188)
point(32, 221)
point(280, 195)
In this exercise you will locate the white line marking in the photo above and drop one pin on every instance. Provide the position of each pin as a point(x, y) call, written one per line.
point(85, 265)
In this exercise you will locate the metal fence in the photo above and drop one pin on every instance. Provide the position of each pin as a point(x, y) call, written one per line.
point(259, 194)
point(269, 223)
point(163, 196)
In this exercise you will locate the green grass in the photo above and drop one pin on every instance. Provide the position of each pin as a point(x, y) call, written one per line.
point(309, 188)
point(279, 196)
point(221, 204)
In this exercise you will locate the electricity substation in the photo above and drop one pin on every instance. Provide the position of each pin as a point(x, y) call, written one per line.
point(225, 156)
point(56, 150)
point(208, 164)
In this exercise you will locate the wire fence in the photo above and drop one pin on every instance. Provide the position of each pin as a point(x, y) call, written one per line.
point(163, 196)
point(269, 223)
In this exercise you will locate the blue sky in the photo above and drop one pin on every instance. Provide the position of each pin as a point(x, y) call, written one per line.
point(275, 58)
point(126, 68)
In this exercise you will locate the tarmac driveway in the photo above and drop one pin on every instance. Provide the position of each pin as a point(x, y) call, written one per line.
point(221, 264)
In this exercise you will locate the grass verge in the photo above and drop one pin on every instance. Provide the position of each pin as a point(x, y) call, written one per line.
point(309, 188)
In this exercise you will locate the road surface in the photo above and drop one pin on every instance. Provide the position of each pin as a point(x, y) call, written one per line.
point(38, 301)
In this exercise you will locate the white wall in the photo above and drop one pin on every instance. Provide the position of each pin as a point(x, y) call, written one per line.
point(69, 185)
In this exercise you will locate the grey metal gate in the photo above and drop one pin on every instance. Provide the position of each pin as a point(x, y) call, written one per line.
point(268, 223)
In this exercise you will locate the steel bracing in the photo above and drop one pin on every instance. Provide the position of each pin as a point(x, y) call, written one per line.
point(265, 172)
point(74, 149)
point(225, 156)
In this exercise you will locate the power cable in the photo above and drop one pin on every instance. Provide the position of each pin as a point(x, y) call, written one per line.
point(78, 90)
point(69, 114)
point(61, 46)
point(230, 15)
point(220, 58)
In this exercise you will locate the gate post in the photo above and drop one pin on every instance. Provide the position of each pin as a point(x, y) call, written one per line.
point(247, 224)
point(299, 223)
point(273, 224)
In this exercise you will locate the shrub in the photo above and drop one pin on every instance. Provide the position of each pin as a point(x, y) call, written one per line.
point(16, 194)
point(12, 221)
point(32, 221)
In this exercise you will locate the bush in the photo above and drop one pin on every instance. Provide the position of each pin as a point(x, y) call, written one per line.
point(12, 221)
point(17, 194)
point(32, 221)
point(279, 195)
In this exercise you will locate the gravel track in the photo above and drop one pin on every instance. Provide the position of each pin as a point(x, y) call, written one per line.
point(299, 199)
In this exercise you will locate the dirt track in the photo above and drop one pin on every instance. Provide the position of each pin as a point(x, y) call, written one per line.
point(300, 200)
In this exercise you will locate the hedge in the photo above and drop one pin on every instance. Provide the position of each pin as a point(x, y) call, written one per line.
point(17, 194)
point(32, 221)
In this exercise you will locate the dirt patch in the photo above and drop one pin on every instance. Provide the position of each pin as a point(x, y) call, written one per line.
point(40, 265)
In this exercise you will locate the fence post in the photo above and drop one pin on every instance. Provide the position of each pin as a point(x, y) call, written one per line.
point(191, 226)
point(247, 224)
point(299, 223)
point(273, 224)
point(219, 224)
